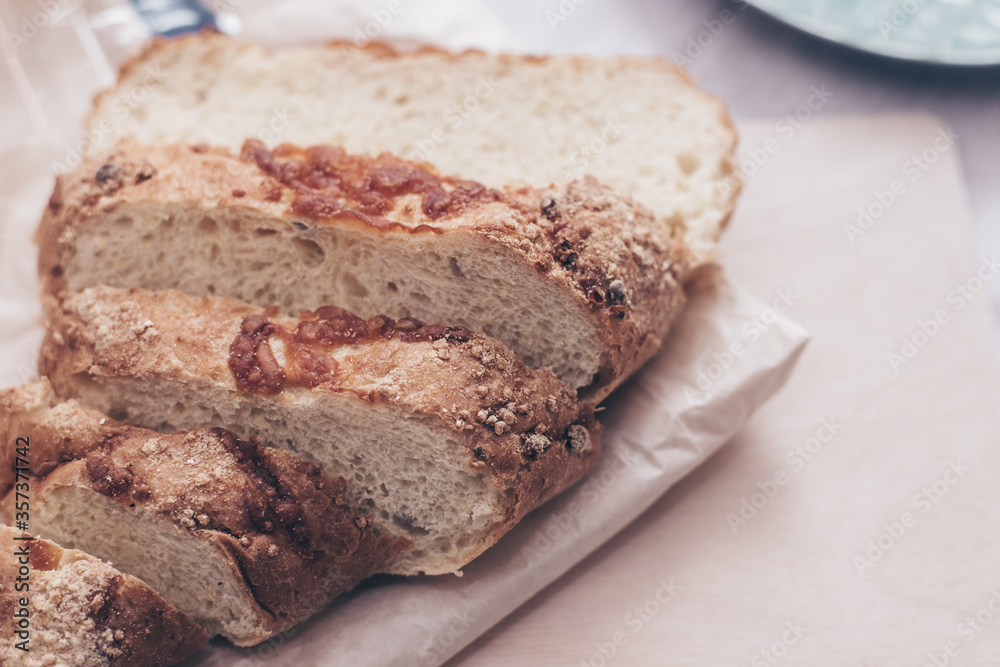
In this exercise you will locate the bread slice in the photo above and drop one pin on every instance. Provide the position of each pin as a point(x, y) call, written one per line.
point(82, 612)
point(59, 431)
point(575, 278)
point(444, 436)
point(639, 125)
point(245, 540)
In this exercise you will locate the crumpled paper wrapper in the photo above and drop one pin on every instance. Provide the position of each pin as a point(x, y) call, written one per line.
point(694, 396)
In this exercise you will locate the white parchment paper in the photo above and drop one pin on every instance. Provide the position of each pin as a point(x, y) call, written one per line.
point(718, 366)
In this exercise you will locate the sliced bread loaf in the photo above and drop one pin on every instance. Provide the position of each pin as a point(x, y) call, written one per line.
point(574, 278)
point(81, 612)
point(245, 540)
point(640, 125)
point(445, 437)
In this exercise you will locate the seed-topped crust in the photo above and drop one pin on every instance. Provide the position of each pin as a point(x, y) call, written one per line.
point(608, 255)
point(287, 530)
point(85, 613)
point(521, 427)
point(56, 431)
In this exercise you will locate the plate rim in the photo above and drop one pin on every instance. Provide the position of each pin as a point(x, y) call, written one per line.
point(779, 10)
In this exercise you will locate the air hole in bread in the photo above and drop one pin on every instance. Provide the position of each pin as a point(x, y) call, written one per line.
point(167, 222)
point(208, 225)
point(688, 163)
point(309, 252)
point(456, 270)
point(392, 287)
point(265, 231)
point(124, 222)
point(422, 298)
point(214, 253)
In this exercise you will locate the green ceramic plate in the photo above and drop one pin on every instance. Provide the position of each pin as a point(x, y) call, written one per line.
point(954, 32)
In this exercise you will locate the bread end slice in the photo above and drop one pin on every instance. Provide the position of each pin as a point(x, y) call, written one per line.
point(247, 541)
point(82, 612)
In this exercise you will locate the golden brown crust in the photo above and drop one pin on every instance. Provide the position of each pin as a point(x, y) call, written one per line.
point(310, 347)
point(85, 613)
point(610, 256)
point(54, 431)
point(521, 427)
point(286, 529)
